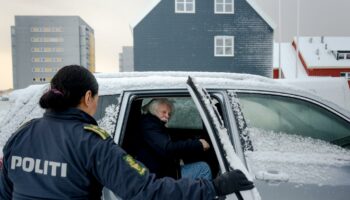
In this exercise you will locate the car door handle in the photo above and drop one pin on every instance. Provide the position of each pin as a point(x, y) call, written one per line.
point(272, 176)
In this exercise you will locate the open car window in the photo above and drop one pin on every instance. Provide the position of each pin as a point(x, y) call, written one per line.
point(185, 115)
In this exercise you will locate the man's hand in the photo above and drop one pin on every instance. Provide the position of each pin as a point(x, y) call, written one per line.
point(230, 182)
point(205, 144)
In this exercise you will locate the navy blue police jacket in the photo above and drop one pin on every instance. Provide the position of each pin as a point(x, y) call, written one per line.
point(158, 152)
point(64, 155)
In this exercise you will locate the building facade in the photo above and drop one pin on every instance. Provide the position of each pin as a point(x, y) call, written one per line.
point(41, 45)
point(204, 35)
point(126, 59)
point(324, 56)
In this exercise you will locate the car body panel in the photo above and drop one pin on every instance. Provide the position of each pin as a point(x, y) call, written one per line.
point(318, 170)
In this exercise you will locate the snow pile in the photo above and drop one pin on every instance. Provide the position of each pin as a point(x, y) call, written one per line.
point(24, 107)
point(304, 160)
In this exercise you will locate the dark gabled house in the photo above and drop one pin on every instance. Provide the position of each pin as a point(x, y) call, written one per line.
point(204, 35)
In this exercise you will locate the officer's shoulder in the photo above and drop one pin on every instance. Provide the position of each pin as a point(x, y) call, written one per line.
point(97, 130)
point(18, 131)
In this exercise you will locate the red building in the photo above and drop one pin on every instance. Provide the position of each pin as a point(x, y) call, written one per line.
point(324, 56)
point(321, 56)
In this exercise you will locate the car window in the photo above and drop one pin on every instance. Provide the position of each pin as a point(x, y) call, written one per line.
point(186, 115)
point(292, 156)
point(292, 116)
point(103, 102)
point(107, 112)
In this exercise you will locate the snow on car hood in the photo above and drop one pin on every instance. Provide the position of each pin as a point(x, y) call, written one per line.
point(304, 160)
point(23, 107)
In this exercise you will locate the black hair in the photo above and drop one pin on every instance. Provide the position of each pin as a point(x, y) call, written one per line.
point(68, 86)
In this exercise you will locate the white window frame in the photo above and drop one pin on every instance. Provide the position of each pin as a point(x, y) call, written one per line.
point(341, 56)
point(347, 56)
point(224, 46)
point(224, 3)
point(184, 3)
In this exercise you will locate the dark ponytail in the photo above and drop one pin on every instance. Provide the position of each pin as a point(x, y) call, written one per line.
point(68, 86)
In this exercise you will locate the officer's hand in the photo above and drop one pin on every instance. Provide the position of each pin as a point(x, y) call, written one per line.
point(230, 182)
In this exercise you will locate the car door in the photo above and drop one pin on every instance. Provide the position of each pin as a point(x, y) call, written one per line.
point(216, 128)
point(291, 155)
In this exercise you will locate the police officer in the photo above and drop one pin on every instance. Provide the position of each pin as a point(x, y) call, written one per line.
point(65, 155)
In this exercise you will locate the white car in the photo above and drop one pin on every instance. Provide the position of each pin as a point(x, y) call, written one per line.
point(291, 143)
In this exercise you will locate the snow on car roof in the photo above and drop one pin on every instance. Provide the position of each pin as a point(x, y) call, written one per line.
point(112, 83)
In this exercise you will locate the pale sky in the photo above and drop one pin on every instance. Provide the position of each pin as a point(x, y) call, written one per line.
point(110, 20)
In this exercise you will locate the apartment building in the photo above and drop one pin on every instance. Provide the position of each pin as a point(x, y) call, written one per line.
point(41, 45)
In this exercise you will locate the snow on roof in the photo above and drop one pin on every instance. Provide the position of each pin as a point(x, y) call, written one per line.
point(291, 67)
point(262, 13)
point(319, 55)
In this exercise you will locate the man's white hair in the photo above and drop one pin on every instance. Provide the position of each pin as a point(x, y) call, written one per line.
point(152, 106)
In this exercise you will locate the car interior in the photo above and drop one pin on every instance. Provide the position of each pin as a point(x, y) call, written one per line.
point(185, 123)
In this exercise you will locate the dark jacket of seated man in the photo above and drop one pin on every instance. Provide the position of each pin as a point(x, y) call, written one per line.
point(158, 152)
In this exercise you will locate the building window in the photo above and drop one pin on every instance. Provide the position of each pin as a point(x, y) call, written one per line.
point(224, 7)
point(47, 49)
point(36, 69)
point(341, 56)
point(47, 59)
point(185, 6)
point(224, 46)
point(345, 74)
point(46, 29)
point(48, 69)
point(46, 39)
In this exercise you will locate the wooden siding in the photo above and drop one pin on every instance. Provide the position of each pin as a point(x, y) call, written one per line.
point(164, 40)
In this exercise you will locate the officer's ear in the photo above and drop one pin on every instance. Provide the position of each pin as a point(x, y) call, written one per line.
point(88, 98)
point(87, 102)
